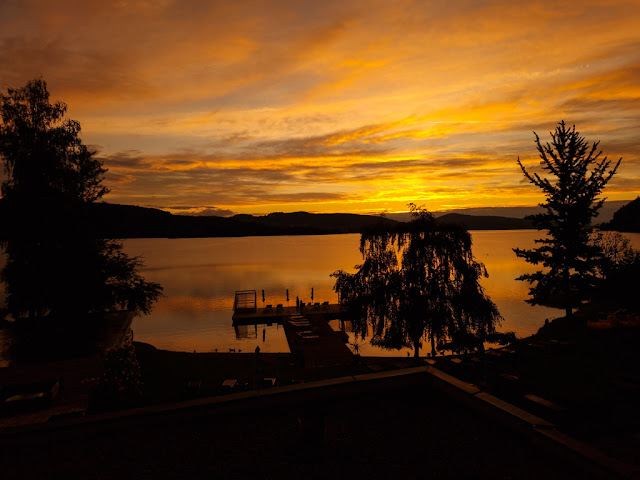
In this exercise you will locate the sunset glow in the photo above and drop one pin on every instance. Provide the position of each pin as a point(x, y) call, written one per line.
point(345, 106)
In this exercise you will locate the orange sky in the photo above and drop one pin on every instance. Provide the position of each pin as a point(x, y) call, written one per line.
point(323, 106)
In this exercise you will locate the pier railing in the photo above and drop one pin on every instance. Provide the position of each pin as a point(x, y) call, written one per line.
point(245, 301)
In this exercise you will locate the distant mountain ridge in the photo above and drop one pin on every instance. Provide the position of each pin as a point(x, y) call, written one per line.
point(605, 214)
point(130, 221)
point(486, 222)
point(321, 222)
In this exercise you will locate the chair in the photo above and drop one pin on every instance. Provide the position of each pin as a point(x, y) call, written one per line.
point(268, 382)
point(228, 385)
point(194, 386)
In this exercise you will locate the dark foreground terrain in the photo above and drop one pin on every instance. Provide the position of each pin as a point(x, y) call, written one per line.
point(399, 428)
point(400, 425)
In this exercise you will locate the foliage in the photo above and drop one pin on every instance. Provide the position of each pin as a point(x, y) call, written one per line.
point(571, 203)
point(43, 155)
point(617, 252)
point(57, 267)
point(618, 271)
point(121, 383)
point(419, 280)
point(71, 278)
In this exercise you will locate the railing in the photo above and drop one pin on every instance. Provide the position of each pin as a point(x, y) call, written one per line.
point(245, 301)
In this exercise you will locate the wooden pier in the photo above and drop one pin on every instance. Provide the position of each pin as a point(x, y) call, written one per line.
point(308, 333)
point(315, 343)
point(277, 314)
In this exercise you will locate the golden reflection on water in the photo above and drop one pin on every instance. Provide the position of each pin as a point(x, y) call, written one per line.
point(200, 277)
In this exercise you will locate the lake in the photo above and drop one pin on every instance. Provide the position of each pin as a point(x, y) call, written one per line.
point(200, 277)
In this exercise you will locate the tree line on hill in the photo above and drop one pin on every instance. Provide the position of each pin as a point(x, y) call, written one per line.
point(110, 220)
point(128, 221)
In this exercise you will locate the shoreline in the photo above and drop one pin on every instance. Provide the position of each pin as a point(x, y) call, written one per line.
point(568, 374)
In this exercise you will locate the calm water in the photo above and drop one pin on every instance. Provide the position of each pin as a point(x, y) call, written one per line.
point(201, 276)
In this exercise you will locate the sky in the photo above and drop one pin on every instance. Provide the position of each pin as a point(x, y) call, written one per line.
point(220, 107)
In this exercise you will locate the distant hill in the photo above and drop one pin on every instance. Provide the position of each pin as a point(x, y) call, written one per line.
point(122, 221)
point(485, 222)
point(604, 215)
point(128, 221)
point(317, 222)
point(504, 212)
point(626, 219)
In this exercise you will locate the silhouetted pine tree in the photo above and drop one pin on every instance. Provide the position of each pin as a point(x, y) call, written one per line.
point(571, 203)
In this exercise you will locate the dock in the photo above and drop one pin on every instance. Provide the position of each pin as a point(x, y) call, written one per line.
point(311, 340)
point(315, 343)
point(275, 314)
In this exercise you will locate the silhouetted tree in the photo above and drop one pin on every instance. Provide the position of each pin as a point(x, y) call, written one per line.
point(571, 203)
point(418, 281)
point(43, 155)
point(618, 271)
point(68, 279)
point(627, 218)
point(57, 269)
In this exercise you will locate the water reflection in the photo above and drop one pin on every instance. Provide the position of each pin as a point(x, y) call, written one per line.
point(200, 277)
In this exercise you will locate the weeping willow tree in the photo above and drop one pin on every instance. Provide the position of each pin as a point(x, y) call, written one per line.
point(420, 282)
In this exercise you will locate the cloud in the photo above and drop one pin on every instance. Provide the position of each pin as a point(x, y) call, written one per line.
point(127, 160)
point(213, 211)
point(329, 105)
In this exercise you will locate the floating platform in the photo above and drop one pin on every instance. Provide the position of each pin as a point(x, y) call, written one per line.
point(276, 314)
point(310, 337)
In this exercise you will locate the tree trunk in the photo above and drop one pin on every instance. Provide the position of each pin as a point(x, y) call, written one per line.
point(433, 346)
point(567, 299)
point(416, 346)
